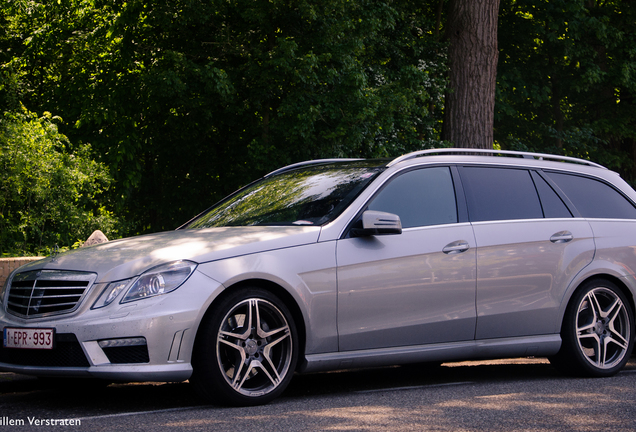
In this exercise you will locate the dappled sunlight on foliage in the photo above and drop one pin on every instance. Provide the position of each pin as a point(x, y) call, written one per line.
point(566, 80)
point(187, 101)
point(48, 195)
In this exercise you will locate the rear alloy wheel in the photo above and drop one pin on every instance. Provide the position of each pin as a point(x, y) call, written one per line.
point(597, 331)
point(247, 350)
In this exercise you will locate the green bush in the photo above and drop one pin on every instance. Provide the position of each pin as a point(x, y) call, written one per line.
point(50, 193)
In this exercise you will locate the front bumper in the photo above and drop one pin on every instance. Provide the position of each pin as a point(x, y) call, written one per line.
point(167, 323)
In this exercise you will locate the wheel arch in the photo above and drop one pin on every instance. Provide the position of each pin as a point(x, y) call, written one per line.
point(588, 359)
point(619, 282)
point(279, 292)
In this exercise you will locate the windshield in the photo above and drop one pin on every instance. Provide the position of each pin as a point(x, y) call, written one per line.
point(311, 195)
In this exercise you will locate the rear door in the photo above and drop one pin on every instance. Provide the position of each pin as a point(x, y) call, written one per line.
point(611, 215)
point(529, 246)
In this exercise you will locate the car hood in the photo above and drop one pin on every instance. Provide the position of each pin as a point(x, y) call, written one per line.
point(125, 258)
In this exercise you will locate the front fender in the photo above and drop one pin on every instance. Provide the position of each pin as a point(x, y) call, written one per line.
point(307, 273)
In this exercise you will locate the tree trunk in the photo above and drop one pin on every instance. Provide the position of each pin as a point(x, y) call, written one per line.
point(470, 103)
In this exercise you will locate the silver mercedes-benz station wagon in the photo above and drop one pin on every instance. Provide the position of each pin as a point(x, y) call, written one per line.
point(438, 255)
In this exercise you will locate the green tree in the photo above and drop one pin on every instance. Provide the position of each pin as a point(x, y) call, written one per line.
point(185, 101)
point(566, 79)
point(48, 195)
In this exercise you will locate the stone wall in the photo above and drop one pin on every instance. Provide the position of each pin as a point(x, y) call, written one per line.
point(7, 265)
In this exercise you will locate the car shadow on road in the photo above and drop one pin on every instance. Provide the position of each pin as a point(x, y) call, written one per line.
point(72, 398)
point(416, 375)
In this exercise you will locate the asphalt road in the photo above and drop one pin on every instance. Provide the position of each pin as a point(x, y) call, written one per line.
point(508, 395)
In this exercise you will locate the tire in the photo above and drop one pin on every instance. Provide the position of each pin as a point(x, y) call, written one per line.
point(246, 349)
point(597, 333)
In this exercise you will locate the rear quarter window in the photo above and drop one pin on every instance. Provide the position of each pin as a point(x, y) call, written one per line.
point(594, 198)
point(553, 206)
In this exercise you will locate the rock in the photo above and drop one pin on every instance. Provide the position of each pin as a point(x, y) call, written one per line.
point(96, 238)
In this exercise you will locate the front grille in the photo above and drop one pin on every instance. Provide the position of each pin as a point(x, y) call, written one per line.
point(47, 292)
point(67, 352)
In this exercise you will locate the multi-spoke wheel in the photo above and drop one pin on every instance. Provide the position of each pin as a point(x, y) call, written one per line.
point(246, 349)
point(597, 331)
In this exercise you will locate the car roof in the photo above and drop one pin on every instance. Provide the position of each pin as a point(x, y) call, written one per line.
point(369, 163)
point(461, 155)
point(489, 152)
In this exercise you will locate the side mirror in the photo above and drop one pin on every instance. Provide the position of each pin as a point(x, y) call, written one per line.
point(378, 223)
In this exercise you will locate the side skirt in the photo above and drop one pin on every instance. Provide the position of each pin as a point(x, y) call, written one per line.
point(540, 346)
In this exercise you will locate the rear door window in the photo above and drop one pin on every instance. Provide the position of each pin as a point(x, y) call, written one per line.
point(494, 193)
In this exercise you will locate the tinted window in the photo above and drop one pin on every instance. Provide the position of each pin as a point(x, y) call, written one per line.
point(553, 206)
point(420, 197)
point(594, 199)
point(500, 193)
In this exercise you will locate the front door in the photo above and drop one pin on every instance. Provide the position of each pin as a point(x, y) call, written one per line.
point(414, 288)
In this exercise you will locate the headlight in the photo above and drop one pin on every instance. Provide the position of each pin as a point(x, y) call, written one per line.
point(160, 280)
point(111, 292)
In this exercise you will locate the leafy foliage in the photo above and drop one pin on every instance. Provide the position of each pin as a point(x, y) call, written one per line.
point(567, 79)
point(48, 196)
point(187, 100)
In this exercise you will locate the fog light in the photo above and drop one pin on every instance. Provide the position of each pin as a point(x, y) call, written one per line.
point(114, 343)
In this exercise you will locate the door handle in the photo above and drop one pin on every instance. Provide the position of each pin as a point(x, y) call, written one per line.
point(456, 247)
point(562, 237)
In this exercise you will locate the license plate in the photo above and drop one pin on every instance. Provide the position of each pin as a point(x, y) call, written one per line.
point(29, 338)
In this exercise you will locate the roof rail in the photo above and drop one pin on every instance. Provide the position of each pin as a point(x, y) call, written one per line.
point(506, 153)
point(311, 162)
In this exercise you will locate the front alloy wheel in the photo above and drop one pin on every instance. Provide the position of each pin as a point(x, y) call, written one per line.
point(247, 350)
point(597, 332)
